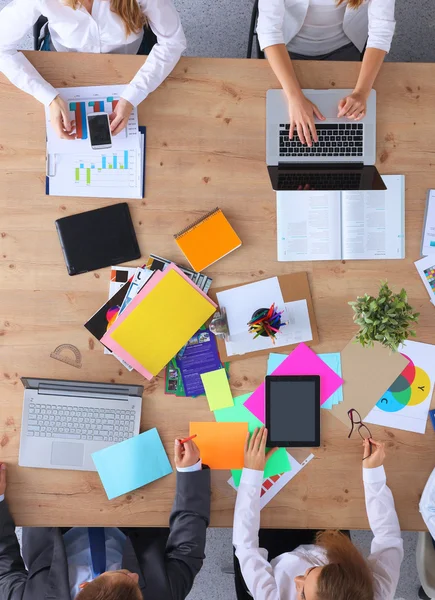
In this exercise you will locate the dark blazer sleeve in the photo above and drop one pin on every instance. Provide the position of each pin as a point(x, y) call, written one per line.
point(13, 574)
point(187, 531)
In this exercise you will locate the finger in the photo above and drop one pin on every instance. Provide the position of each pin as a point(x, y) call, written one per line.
point(300, 188)
point(120, 127)
point(65, 120)
point(318, 113)
point(258, 440)
point(189, 448)
point(178, 450)
point(263, 441)
point(291, 130)
point(307, 134)
point(114, 124)
point(344, 106)
point(313, 131)
point(361, 115)
point(356, 109)
point(248, 436)
point(252, 440)
point(375, 443)
point(307, 186)
point(300, 132)
point(270, 453)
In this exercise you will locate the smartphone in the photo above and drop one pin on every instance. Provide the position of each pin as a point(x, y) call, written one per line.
point(99, 131)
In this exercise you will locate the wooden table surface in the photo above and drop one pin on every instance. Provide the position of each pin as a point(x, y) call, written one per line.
point(205, 147)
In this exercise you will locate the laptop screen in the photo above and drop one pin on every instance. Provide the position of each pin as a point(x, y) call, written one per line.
point(292, 177)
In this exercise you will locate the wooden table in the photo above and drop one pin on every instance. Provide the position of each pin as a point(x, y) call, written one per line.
point(205, 147)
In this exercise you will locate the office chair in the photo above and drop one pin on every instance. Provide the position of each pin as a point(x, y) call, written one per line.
point(253, 34)
point(148, 41)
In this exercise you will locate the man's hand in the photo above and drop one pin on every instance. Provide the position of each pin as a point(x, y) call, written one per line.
point(2, 479)
point(60, 121)
point(255, 450)
point(374, 454)
point(187, 454)
point(119, 117)
point(353, 106)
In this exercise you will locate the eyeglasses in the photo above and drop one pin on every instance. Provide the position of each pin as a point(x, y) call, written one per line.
point(363, 430)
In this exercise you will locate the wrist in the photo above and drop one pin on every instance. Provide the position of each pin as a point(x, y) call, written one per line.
point(362, 91)
point(55, 99)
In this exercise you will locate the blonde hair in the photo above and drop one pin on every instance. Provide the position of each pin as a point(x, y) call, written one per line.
point(347, 575)
point(351, 3)
point(128, 10)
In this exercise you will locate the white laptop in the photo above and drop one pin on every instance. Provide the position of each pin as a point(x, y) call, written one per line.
point(342, 159)
point(64, 422)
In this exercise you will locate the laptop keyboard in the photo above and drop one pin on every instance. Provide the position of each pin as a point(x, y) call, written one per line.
point(335, 139)
point(319, 181)
point(80, 423)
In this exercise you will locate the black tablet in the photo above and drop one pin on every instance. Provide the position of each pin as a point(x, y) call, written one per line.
point(293, 410)
point(98, 238)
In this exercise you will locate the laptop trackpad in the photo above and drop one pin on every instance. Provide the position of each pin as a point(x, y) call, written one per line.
point(67, 454)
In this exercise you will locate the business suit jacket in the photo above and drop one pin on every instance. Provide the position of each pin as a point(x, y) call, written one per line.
point(167, 564)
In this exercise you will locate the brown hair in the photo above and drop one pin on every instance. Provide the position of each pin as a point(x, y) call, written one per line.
point(347, 575)
point(351, 3)
point(103, 588)
point(128, 10)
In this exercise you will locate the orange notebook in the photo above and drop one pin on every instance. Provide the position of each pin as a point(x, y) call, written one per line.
point(207, 240)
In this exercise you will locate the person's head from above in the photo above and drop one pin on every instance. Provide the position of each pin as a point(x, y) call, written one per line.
point(346, 575)
point(112, 585)
point(129, 11)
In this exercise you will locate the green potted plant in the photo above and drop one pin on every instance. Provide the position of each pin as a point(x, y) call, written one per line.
point(387, 319)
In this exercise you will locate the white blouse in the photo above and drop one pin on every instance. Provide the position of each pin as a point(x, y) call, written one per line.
point(275, 580)
point(322, 30)
point(100, 32)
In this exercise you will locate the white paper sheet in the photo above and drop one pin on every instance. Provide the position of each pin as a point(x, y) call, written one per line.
point(406, 404)
point(428, 241)
point(273, 485)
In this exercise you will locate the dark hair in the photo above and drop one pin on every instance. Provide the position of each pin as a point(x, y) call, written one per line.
point(347, 575)
point(104, 588)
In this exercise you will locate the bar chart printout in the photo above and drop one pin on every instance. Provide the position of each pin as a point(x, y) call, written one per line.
point(112, 169)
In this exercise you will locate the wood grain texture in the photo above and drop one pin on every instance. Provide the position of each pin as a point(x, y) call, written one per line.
point(205, 147)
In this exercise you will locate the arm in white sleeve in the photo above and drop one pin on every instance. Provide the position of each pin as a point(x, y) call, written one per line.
point(16, 19)
point(387, 546)
point(165, 22)
point(256, 569)
point(427, 504)
point(196, 467)
point(270, 23)
point(381, 24)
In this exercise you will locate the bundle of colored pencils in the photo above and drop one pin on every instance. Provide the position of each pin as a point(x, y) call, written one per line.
point(267, 322)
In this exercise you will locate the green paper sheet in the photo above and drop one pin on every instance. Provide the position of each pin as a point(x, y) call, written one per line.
point(278, 463)
point(217, 389)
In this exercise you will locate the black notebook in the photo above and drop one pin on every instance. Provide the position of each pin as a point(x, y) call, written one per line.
point(98, 238)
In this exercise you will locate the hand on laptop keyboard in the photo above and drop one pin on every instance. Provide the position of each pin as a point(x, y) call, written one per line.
point(301, 113)
point(353, 106)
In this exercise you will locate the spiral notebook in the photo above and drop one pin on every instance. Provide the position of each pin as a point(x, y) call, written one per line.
point(207, 240)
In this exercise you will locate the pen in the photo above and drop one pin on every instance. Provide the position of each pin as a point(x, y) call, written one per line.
point(189, 438)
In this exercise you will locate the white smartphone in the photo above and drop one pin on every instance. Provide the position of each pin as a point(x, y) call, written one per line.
point(100, 136)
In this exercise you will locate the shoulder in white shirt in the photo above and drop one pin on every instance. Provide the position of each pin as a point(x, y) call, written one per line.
point(99, 32)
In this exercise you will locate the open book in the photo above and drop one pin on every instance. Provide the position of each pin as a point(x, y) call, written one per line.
point(315, 225)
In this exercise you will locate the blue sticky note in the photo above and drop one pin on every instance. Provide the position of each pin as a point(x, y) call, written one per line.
point(332, 359)
point(129, 465)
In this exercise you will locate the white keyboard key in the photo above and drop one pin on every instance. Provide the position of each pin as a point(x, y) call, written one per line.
point(67, 436)
point(30, 433)
point(33, 428)
point(98, 438)
point(32, 422)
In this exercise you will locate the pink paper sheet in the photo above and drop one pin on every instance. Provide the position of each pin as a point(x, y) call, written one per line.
point(150, 285)
point(302, 361)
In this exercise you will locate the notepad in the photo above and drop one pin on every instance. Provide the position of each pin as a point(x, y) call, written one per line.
point(217, 389)
point(159, 321)
point(221, 445)
point(129, 465)
point(207, 240)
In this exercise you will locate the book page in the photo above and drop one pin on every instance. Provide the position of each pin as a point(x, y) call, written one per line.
point(374, 221)
point(308, 225)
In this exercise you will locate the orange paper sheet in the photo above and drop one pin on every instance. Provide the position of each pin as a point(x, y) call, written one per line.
point(221, 444)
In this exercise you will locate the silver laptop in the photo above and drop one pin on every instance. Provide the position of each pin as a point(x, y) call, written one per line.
point(342, 159)
point(64, 422)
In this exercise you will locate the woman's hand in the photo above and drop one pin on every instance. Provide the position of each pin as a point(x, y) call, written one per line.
point(374, 454)
point(187, 454)
point(255, 450)
point(2, 479)
point(353, 106)
point(60, 121)
point(301, 112)
point(119, 117)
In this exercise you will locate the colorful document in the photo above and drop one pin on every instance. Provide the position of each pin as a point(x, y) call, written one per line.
point(159, 321)
point(332, 359)
point(222, 445)
point(129, 465)
point(278, 462)
point(302, 361)
point(217, 389)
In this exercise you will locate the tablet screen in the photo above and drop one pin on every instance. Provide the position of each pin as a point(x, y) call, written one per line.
point(292, 411)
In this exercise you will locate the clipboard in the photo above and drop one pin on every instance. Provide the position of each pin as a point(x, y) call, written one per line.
point(294, 286)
